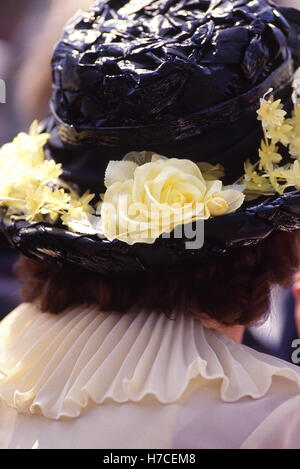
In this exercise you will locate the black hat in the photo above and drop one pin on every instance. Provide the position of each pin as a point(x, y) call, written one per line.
point(182, 79)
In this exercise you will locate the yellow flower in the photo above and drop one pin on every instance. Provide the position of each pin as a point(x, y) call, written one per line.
point(211, 172)
point(27, 147)
point(282, 133)
point(142, 202)
point(56, 202)
point(254, 182)
point(292, 175)
point(35, 198)
point(82, 203)
point(268, 155)
point(79, 216)
point(271, 113)
point(295, 147)
point(276, 181)
point(294, 121)
point(20, 160)
point(47, 171)
point(285, 176)
point(42, 200)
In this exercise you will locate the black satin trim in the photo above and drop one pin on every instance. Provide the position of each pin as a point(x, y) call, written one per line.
point(185, 127)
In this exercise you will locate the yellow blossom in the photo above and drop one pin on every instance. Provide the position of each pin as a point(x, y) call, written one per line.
point(211, 172)
point(47, 171)
point(276, 181)
point(282, 133)
point(57, 201)
point(79, 216)
point(35, 198)
point(255, 182)
point(43, 201)
point(268, 155)
point(82, 203)
point(271, 112)
point(295, 147)
point(292, 176)
point(27, 147)
point(294, 121)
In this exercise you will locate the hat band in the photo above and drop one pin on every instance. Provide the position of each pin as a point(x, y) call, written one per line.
point(183, 127)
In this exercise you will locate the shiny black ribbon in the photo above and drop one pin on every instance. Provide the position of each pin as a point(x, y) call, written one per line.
point(184, 127)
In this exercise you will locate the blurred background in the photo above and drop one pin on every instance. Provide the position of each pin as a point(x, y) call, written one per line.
point(28, 32)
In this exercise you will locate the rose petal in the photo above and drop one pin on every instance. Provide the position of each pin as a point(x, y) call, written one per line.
point(213, 187)
point(233, 198)
point(138, 157)
point(119, 171)
point(84, 223)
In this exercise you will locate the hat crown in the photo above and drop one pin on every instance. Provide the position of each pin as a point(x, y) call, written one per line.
point(141, 62)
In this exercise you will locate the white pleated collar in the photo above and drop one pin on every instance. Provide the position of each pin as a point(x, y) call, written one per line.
point(56, 366)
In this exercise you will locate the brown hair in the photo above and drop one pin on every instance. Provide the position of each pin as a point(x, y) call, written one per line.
point(233, 289)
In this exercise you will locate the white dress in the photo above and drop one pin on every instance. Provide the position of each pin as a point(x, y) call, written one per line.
point(85, 379)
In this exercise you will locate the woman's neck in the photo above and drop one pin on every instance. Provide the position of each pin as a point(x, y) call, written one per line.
point(233, 332)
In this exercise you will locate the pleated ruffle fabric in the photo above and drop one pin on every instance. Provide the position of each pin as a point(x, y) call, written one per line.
point(57, 366)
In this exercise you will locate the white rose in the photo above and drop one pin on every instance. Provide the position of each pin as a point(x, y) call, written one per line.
point(142, 202)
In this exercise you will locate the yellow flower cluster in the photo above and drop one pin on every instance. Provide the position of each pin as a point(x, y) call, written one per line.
point(269, 175)
point(30, 187)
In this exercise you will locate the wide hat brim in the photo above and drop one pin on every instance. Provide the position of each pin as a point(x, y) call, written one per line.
point(246, 227)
